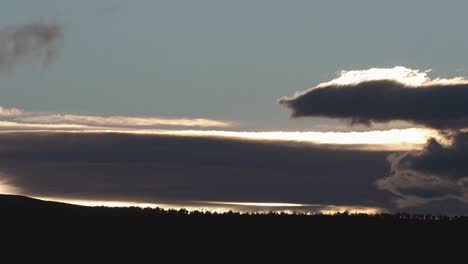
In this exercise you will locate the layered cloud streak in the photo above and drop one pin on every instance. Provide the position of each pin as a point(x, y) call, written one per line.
point(125, 121)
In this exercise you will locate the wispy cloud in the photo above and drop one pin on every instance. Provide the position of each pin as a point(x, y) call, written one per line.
point(30, 119)
point(9, 112)
point(30, 40)
point(19, 127)
point(122, 121)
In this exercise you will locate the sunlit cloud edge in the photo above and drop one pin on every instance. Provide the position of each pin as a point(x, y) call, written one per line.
point(224, 207)
point(393, 139)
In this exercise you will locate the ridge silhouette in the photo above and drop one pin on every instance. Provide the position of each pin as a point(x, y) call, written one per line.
point(27, 220)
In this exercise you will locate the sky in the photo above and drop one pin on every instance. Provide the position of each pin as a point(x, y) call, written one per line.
point(264, 102)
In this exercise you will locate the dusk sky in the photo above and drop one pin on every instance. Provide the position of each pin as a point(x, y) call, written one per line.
point(246, 105)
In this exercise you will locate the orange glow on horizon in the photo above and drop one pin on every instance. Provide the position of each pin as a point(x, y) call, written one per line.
point(6, 188)
point(224, 207)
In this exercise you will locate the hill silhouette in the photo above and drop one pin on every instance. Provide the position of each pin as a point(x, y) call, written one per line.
point(15, 202)
point(26, 220)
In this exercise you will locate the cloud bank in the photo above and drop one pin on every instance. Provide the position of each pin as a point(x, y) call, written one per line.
point(435, 173)
point(168, 169)
point(384, 95)
point(31, 40)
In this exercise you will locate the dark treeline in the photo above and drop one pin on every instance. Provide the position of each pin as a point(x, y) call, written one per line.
point(28, 221)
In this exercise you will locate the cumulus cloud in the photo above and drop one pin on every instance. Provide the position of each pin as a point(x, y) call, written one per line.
point(384, 95)
point(31, 40)
point(438, 172)
point(120, 120)
point(163, 169)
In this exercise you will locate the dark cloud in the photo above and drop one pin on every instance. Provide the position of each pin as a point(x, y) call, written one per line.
point(438, 172)
point(37, 39)
point(450, 161)
point(434, 175)
point(436, 105)
point(428, 193)
point(150, 168)
point(442, 207)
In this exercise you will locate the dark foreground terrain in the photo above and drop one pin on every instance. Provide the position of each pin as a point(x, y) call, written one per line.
point(50, 227)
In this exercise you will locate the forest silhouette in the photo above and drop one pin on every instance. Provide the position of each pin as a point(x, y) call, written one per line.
point(26, 220)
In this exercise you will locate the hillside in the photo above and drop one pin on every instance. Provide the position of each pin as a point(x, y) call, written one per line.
point(223, 234)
